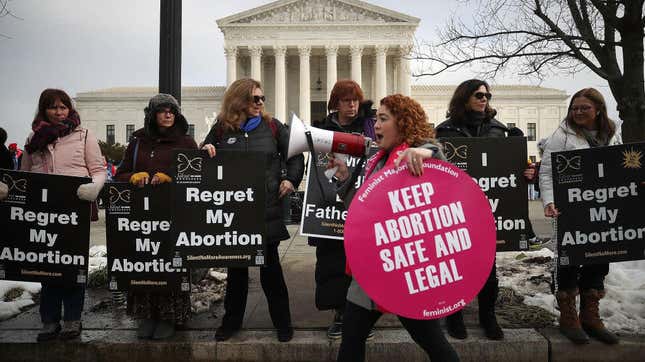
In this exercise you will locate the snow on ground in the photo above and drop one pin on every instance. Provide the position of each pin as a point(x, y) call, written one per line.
point(9, 309)
point(98, 258)
point(622, 309)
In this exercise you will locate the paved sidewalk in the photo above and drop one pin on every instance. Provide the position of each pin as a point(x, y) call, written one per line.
point(110, 335)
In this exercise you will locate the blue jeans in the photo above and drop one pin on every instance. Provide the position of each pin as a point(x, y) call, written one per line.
point(53, 297)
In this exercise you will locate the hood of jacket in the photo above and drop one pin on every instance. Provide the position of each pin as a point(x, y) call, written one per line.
point(157, 103)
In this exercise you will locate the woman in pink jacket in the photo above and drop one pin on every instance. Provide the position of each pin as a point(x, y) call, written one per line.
point(59, 145)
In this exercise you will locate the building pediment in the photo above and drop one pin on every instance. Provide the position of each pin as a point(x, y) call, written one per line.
point(300, 12)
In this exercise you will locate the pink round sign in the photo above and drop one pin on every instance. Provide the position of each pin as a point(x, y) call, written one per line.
point(420, 247)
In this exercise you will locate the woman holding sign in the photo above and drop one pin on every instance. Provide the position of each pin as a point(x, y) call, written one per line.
point(586, 125)
point(59, 145)
point(470, 115)
point(350, 113)
point(243, 126)
point(148, 160)
point(404, 136)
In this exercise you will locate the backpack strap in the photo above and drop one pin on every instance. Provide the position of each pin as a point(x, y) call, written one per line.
point(274, 129)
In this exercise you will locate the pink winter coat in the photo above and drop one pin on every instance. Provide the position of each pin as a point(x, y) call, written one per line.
point(77, 154)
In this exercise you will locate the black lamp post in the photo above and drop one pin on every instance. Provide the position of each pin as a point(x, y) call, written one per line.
point(170, 48)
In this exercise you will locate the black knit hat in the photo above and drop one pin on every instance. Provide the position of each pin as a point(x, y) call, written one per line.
point(158, 103)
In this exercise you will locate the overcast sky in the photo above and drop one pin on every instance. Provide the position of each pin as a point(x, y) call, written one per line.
point(84, 45)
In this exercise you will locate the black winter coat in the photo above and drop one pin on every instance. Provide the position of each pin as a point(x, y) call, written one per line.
point(331, 280)
point(275, 148)
point(6, 161)
point(488, 128)
point(155, 154)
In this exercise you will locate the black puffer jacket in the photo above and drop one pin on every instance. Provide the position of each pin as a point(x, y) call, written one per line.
point(275, 148)
point(488, 128)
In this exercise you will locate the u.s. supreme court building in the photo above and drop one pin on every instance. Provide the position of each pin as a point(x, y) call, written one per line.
point(298, 49)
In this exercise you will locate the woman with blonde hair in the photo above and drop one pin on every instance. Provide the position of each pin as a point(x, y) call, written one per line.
point(243, 125)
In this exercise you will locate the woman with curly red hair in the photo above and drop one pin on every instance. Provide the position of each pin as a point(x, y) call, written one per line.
point(404, 135)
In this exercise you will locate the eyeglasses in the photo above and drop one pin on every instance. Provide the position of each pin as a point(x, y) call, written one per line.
point(581, 109)
point(258, 99)
point(481, 95)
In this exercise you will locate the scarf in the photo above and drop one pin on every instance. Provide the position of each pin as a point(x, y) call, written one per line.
point(46, 133)
point(595, 139)
point(474, 121)
point(391, 156)
point(251, 123)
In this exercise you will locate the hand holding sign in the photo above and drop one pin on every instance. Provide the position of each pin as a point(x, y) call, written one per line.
point(421, 247)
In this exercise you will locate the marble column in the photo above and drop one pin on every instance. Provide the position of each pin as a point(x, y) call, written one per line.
point(404, 70)
point(256, 62)
point(280, 82)
point(231, 64)
point(304, 108)
point(357, 52)
point(380, 73)
point(331, 51)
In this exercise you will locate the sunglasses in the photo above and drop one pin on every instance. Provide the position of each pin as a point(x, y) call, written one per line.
point(481, 95)
point(257, 99)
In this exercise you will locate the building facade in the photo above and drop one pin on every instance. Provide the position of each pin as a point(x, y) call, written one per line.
point(298, 49)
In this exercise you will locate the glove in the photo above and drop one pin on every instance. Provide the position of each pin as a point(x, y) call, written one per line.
point(89, 192)
point(163, 178)
point(4, 191)
point(137, 177)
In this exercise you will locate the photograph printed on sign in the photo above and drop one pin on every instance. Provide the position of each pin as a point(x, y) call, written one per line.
point(323, 213)
point(50, 231)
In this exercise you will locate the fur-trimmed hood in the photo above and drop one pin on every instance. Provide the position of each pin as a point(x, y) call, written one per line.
point(157, 103)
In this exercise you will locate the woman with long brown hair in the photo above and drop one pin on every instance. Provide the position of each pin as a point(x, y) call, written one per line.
point(243, 125)
point(60, 145)
point(586, 125)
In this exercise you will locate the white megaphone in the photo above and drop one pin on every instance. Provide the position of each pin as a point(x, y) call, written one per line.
point(339, 143)
point(325, 141)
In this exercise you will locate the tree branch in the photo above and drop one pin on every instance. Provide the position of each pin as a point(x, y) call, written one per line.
point(556, 29)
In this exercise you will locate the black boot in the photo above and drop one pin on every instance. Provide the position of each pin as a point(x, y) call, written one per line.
point(487, 320)
point(455, 325)
point(335, 330)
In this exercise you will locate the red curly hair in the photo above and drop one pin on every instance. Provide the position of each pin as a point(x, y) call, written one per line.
point(411, 119)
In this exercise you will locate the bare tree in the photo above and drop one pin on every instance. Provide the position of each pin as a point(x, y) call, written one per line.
point(5, 11)
point(547, 37)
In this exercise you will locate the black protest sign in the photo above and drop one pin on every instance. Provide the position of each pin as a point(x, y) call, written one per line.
point(140, 245)
point(497, 165)
point(219, 208)
point(323, 212)
point(49, 229)
point(599, 193)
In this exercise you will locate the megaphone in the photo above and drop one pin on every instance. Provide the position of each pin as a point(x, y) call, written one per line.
point(324, 141)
